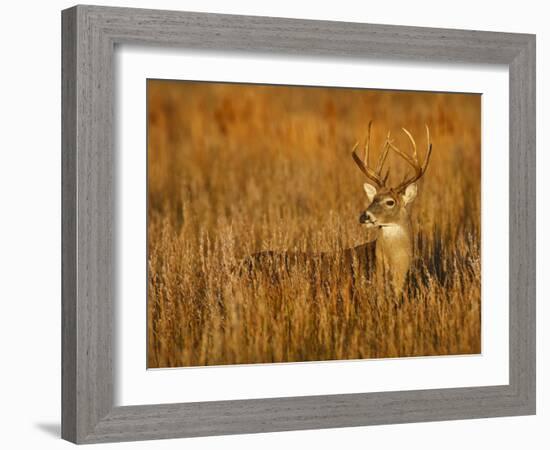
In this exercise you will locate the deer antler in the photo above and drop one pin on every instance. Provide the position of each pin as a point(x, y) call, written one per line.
point(419, 170)
point(363, 164)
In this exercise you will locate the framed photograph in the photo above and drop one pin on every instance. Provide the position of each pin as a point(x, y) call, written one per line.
point(278, 224)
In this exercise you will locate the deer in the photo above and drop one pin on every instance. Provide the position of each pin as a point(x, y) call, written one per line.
point(390, 251)
point(388, 211)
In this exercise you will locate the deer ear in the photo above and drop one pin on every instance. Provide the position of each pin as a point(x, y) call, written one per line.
point(370, 190)
point(410, 193)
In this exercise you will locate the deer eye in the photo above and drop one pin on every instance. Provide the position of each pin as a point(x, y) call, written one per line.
point(390, 203)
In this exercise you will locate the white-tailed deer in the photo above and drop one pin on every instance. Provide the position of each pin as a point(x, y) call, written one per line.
point(388, 210)
point(391, 251)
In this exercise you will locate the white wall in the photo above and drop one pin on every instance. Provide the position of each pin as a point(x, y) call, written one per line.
point(30, 221)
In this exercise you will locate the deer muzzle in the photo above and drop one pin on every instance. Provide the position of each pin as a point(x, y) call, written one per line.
point(367, 218)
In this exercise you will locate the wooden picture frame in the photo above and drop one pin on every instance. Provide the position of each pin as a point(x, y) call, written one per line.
point(90, 34)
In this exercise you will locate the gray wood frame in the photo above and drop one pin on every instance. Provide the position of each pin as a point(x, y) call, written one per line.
point(89, 36)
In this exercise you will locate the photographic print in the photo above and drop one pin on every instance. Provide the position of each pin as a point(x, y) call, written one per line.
point(297, 223)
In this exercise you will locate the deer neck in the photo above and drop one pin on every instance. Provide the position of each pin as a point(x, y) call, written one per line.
point(394, 250)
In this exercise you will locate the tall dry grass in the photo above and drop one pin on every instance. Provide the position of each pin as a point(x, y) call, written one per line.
point(237, 169)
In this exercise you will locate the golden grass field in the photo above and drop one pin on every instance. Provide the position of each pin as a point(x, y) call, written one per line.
point(236, 169)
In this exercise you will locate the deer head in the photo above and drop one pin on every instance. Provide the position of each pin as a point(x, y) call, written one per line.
point(388, 205)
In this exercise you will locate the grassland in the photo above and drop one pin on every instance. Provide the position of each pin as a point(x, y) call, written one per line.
point(237, 169)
